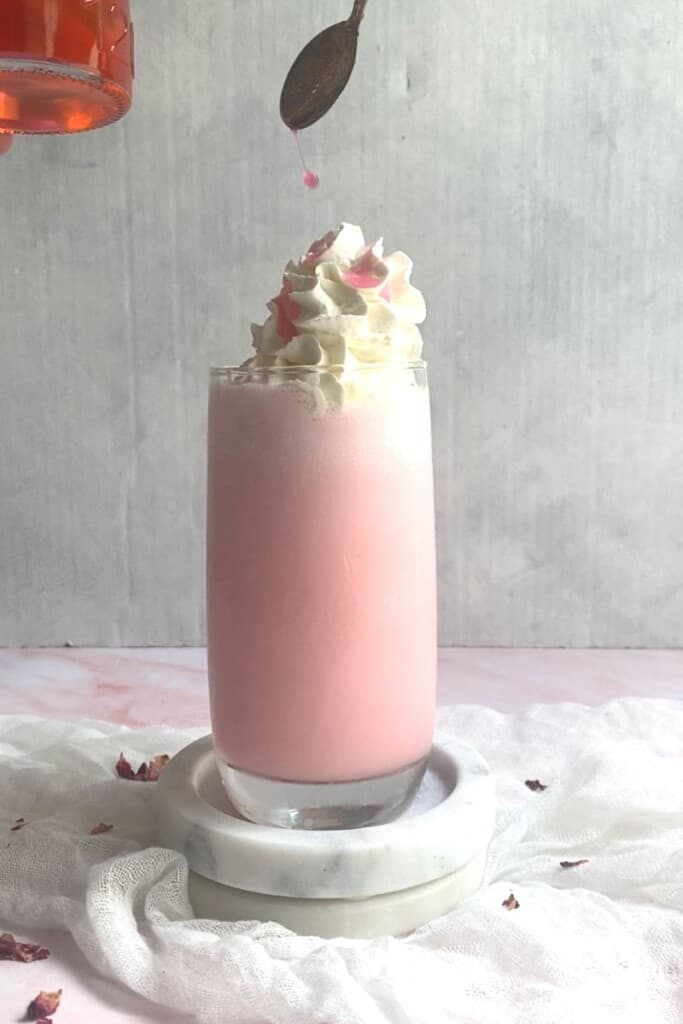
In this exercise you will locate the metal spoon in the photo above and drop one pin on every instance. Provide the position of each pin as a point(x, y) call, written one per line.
point(319, 74)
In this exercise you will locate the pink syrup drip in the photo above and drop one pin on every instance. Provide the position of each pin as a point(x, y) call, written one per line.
point(367, 271)
point(358, 279)
point(287, 311)
point(311, 179)
point(320, 246)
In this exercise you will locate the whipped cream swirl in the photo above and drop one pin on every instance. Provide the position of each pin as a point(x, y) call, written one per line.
point(343, 305)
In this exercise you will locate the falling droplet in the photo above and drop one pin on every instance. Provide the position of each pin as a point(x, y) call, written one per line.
point(311, 179)
point(6, 140)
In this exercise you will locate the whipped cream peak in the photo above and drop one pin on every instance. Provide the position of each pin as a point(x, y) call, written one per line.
point(343, 303)
point(342, 306)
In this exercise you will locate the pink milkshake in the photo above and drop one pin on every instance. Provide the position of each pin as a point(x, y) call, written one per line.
point(321, 562)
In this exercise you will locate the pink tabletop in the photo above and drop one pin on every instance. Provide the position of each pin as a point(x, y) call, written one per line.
point(146, 687)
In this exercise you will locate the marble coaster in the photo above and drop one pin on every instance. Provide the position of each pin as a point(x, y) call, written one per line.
point(403, 872)
point(392, 913)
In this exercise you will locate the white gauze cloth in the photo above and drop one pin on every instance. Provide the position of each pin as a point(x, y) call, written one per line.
point(597, 944)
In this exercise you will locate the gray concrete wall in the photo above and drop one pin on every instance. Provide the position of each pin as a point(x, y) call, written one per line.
point(528, 155)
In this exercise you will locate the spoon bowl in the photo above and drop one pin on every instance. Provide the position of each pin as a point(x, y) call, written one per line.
point(320, 73)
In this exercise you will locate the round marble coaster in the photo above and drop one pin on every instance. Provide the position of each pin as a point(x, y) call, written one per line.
point(392, 913)
point(446, 830)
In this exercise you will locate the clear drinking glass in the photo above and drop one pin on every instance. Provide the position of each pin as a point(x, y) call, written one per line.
point(321, 588)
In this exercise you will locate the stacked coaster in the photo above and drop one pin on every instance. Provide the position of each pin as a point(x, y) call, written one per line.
point(380, 880)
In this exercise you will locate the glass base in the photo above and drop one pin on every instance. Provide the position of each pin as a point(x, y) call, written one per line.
point(321, 805)
point(47, 97)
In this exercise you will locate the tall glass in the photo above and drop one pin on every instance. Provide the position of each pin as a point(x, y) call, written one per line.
point(321, 592)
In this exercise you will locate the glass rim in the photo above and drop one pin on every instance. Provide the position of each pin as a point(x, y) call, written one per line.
point(293, 368)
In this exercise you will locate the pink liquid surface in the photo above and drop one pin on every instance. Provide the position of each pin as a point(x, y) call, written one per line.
point(321, 583)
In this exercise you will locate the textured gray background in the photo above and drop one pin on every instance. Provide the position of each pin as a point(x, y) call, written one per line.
point(528, 155)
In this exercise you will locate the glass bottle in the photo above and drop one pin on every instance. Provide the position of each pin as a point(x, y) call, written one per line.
point(65, 65)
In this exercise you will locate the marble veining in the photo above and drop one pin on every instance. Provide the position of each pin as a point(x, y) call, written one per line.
point(392, 913)
point(197, 847)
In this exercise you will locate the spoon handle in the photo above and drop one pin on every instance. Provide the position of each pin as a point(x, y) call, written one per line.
point(357, 12)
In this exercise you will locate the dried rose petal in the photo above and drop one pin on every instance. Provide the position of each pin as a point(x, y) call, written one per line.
point(510, 903)
point(19, 823)
point(44, 1005)
point(21, 952)
point(535, 786)
point(97, 830)
point(124, 769)
point(156, 767)
point(573, 863)
point(146, 772)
